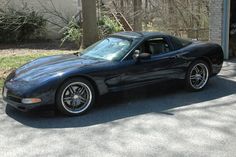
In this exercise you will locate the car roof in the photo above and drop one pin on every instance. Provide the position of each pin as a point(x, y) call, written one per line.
point(140, 34)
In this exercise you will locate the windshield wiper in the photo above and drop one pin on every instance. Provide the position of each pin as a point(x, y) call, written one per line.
point(77, 53)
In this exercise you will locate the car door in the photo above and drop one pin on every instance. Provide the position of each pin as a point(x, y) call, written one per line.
point(161, 66)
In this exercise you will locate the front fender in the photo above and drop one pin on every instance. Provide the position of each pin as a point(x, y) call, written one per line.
point(97, 81)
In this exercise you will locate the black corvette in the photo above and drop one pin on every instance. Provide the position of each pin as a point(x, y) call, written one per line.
point(121, 61)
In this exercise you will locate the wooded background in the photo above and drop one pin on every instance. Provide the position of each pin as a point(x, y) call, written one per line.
point(179, 17)
point(91, 20)
point(184, 18)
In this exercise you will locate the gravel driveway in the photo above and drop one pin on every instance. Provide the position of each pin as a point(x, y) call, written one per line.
point(162, 120)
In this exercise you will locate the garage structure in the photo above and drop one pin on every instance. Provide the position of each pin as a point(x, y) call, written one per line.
point(223, 25)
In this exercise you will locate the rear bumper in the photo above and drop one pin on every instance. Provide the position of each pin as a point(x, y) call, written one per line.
point(216, 69)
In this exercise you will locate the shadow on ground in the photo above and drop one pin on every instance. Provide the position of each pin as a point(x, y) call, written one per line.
point(158, 99)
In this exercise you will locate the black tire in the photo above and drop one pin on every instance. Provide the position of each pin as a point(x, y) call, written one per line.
point(190, 75)
point(75, 99)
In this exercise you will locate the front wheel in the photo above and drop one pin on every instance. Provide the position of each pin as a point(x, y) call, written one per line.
point(197, 75)
point(75, 97)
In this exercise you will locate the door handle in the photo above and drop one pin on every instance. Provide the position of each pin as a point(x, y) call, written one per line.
point(178, 56)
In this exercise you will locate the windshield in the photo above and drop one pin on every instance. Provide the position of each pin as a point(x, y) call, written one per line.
point(112, 48)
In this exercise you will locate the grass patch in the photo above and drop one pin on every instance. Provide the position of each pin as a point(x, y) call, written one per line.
point(9, 63)
point(1, 83)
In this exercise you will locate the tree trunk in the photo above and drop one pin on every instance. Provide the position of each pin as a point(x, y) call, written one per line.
point(122, 6)
point(137, 15)
point(90, 29)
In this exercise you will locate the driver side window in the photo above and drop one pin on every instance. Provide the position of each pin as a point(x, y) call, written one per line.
point(153, 46)
point(158, 46)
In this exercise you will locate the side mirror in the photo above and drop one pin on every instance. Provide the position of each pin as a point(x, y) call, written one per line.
point(141, 56)
point(145, 56)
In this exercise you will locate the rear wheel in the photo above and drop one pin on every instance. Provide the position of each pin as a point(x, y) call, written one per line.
point(75, 97)
point(197, 75)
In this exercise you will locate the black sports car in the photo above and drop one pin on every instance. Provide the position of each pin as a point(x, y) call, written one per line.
point(121, 61)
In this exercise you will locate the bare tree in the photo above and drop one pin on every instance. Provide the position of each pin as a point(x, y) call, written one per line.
point(90, 29)
point(137, 15)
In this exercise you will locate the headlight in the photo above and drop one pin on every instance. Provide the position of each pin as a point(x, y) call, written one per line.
point(5, 92)
point(30, 100)
point(11, 75)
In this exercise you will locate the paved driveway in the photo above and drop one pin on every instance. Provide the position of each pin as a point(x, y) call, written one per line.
point(162, 120)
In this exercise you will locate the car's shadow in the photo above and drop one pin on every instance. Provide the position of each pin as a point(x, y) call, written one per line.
point(157, 99)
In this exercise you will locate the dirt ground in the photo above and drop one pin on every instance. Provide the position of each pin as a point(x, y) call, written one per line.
point(36, 47)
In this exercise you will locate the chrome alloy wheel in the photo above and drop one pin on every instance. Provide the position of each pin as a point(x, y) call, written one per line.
point(76, 97)
point(199, 76)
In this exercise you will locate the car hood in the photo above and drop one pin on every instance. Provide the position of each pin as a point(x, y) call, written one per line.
point(52, 66)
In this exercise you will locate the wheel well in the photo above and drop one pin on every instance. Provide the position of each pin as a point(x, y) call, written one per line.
point(84, 77)
point(208, 61)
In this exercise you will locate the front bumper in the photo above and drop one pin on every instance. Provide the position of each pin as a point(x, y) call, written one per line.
point(10, 99)
point(20, 106)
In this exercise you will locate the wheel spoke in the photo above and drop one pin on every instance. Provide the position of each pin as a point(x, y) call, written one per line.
point(73, 104)
point(81, 91)
point(201, 72)
point(82, 99)
point(200, 78)
point(193, 77)
point(71, 90)
point(197, 70)
point(78, 90)
point(67, 99)
point(196, 83)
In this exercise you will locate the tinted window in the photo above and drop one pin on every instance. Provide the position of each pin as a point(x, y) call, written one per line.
point(180, 43)
point(153, 46)
point(157, 46)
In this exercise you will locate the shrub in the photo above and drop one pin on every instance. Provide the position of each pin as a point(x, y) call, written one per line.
point(72, 32)
point(21, 24)
point(108, 26)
